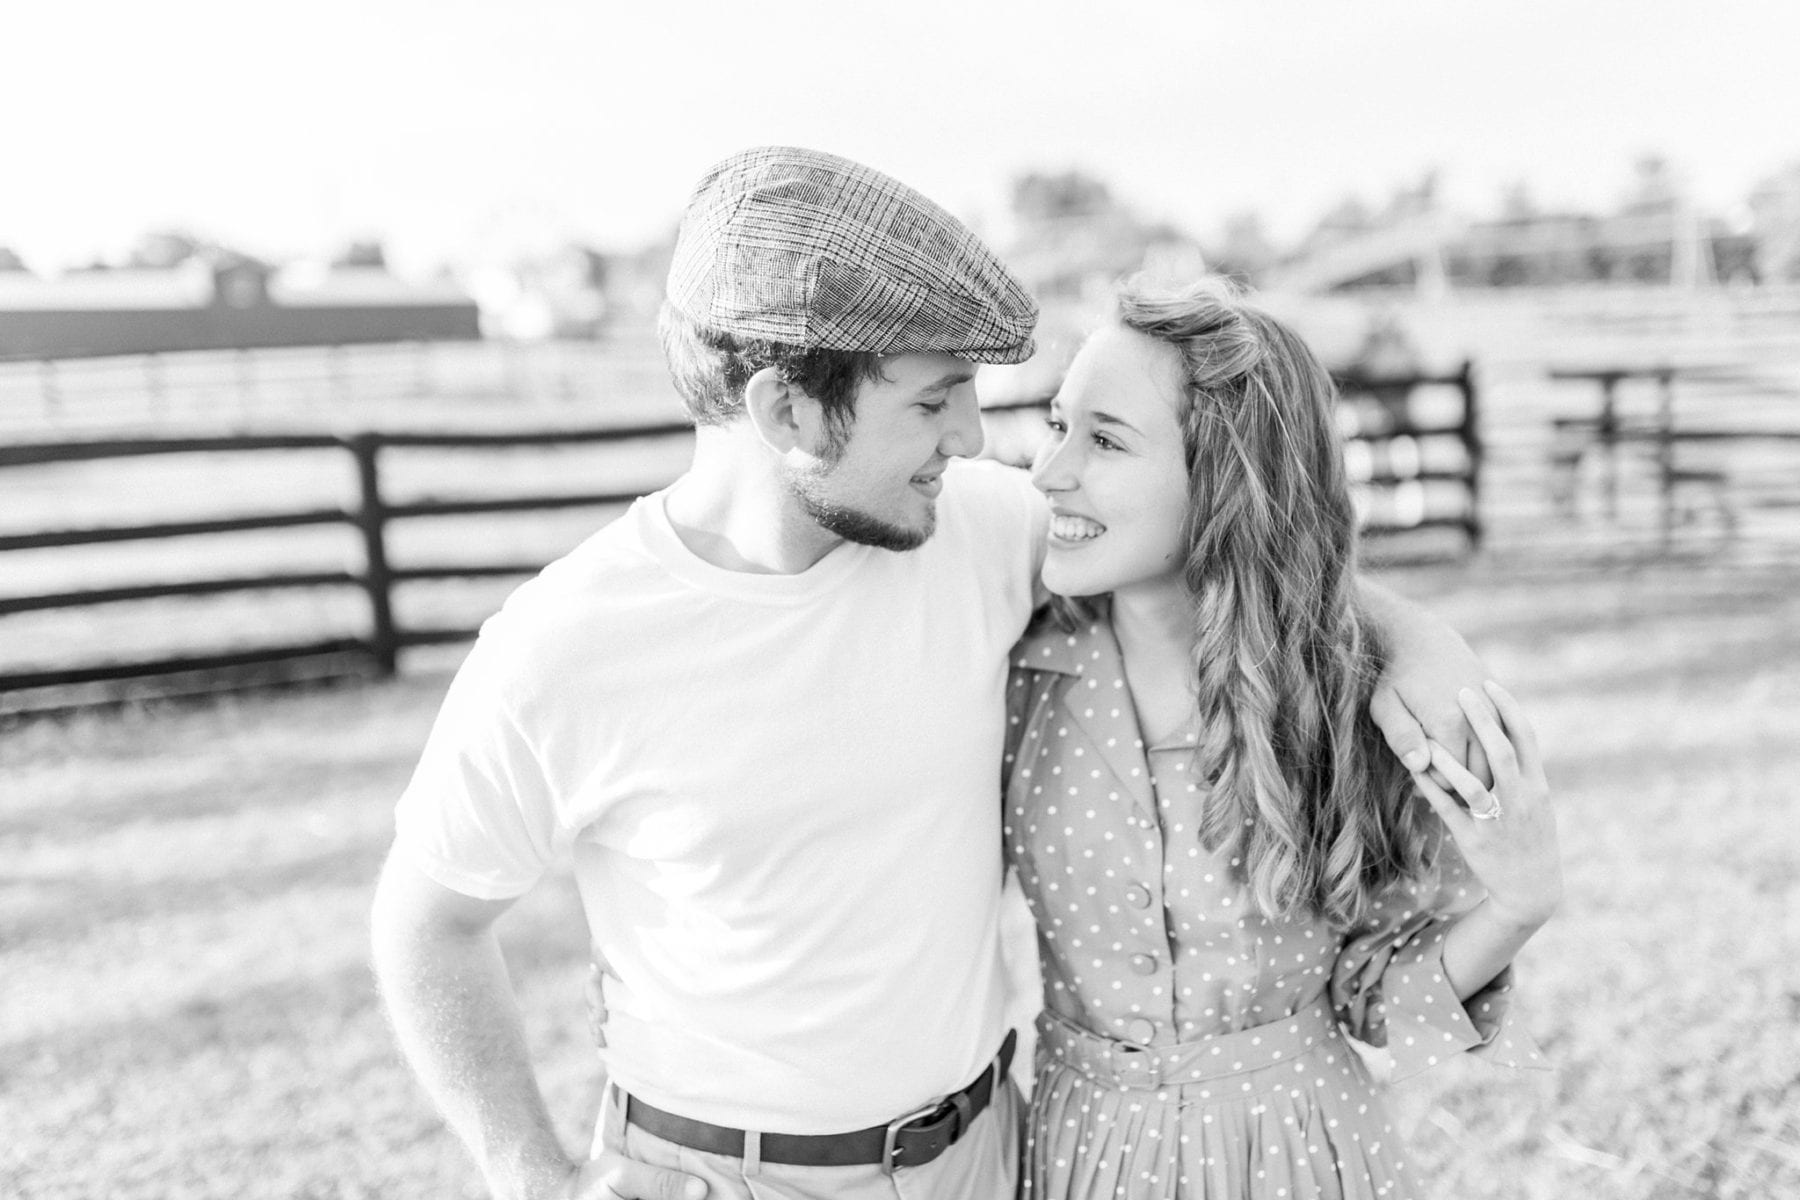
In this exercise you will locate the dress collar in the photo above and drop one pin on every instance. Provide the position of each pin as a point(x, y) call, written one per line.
point(1094, 699)
point(1049, 646)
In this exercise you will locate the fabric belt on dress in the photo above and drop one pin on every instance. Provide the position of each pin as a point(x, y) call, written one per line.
point(908, 1141)
point(1128, 1065)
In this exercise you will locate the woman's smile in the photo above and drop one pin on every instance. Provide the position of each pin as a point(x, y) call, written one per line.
point(1073, 529)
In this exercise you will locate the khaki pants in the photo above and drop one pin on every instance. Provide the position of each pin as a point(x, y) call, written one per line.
point(983, 1165)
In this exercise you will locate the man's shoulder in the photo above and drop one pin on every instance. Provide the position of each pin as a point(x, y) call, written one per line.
point(987, 481)
point(580, 597)
point(989, 501)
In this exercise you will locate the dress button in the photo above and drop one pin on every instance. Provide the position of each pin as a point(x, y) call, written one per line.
point(1143, 964)
point(1137, 897)
point(1141, 1030)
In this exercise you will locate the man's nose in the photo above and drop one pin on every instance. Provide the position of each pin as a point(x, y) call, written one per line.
point(963, 436)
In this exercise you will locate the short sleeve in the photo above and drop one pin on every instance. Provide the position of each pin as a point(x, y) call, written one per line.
point(479, 816)
point(1389, 986)
point(1010, 521)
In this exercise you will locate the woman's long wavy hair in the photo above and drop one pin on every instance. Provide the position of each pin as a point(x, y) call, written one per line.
point(1312, 807)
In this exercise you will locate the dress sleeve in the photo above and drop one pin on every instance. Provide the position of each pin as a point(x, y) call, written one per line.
point(1018, 705)
point(1389, 988)
point(1018, 702)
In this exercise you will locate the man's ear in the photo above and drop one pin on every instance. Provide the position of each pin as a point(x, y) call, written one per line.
point(769, 403)
point(784, 417)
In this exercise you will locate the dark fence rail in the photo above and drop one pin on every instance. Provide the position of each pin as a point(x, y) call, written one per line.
point(1389, 446)
point(370, 517)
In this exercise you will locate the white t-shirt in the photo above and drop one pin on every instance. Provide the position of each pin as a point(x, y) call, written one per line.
point(781, 794)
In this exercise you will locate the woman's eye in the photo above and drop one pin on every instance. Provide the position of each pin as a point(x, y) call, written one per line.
point(1106, 443)
point(1055, 425)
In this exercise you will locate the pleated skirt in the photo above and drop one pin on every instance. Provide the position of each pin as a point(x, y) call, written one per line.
point(1286, 1111)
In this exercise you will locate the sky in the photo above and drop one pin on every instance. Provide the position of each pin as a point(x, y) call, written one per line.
point(461, 131)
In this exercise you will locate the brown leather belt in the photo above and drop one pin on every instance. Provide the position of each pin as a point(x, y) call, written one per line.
point(909, 1141)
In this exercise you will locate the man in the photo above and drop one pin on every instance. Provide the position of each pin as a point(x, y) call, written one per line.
point(762, 711)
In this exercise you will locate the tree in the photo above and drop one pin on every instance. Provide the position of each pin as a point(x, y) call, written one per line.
point(1775, 217)
point(1073, 236)
point(162, 249)
point(1412, 200)
point(364, 253)
point(1517, 203)
point(1244, 249)
point(1349, 217)
point(1654, 187)
point(1059, 195)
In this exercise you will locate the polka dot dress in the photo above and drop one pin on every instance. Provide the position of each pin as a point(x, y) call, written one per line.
point(1189, 1046)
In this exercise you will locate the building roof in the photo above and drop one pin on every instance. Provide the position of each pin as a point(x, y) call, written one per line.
point(188, 286)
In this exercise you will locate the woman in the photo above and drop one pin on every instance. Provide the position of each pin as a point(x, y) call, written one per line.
point(1228, 871)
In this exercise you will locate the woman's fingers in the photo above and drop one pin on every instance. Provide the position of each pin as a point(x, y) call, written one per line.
point(594, 992)
point(1500, 753)
point(1518, 727)
point(1477, 798)
point(1446, 807)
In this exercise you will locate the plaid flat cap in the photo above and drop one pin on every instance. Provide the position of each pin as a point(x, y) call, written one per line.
point(811, 249)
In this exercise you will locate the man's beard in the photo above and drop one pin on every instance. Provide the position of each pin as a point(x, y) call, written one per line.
point(852, 524)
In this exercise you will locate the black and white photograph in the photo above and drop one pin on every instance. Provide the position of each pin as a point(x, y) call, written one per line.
point(807, 601)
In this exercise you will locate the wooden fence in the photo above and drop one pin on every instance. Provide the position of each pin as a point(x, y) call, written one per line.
point(1414, 452)
point(1395, 447)
point(371, 517)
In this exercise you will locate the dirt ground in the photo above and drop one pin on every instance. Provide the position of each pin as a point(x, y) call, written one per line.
point(187, 1008)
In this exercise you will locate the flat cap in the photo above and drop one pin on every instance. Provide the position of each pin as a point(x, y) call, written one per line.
point(811, 249)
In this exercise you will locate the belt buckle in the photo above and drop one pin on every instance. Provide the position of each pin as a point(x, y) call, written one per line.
point(893, 1132)
point(1136, 1067)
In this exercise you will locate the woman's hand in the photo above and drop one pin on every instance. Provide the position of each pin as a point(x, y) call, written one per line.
point(594, 992)
point(1507, 833)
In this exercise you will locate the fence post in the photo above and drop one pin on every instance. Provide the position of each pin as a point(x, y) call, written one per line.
point(371, 519)
point(1471, 438)
point(1665, 455)
point(1608, 432)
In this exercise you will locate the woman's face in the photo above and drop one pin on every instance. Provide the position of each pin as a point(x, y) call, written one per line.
point(1114, 469)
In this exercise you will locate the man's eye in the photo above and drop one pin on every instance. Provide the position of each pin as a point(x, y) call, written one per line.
point(1056, 425)
point(935, 409)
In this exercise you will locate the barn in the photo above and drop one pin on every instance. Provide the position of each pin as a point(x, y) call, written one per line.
point(231, 302)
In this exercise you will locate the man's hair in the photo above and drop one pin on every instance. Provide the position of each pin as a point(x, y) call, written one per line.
point(710, 369)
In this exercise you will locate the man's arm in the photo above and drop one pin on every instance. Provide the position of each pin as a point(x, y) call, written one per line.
point(453, 1011)
point(1416, 698)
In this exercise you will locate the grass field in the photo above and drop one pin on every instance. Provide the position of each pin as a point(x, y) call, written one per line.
point(186, 1009)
